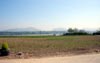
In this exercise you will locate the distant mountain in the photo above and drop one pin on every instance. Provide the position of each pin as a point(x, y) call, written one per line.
point(22, 29)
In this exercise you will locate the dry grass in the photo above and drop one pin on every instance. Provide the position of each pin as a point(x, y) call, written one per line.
point(52, 45)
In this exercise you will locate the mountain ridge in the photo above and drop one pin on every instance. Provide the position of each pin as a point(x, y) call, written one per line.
point(29, 29)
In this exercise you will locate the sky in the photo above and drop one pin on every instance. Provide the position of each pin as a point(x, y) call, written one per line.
point(49, 14)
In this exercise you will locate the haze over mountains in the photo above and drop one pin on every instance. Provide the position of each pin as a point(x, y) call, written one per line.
point(30, 29)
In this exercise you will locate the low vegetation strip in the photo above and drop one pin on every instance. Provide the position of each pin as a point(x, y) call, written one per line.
point(40, 46)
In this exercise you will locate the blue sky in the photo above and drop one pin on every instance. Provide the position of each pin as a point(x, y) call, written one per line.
point(49, 14)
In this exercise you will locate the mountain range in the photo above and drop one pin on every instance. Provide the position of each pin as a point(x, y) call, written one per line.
point(29, 29)
point(32, 29)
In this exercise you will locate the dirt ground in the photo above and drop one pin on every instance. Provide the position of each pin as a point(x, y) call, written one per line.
point(90, 58)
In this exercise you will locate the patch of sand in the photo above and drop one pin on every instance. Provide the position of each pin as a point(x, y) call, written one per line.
point(93, 58)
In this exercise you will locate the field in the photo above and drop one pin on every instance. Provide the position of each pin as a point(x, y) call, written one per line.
point(42, 46)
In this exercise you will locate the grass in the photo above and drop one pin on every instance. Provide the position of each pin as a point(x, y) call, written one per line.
point(51, 45)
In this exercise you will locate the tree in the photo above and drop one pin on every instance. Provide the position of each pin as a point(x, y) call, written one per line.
point(97, 32)
point(70, 30)
point(82, 31)
point(75, 30)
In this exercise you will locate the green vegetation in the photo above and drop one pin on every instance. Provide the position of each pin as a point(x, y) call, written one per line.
point(5, 46)
point(76, 31)
point(4, 49)
point(25, 36)
point(52, 45)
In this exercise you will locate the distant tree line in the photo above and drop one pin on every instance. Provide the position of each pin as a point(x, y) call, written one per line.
point(76, 31)
point(70, 31)
point(97, 32)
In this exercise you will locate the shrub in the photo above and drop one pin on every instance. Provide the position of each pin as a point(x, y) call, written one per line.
point(76, 33)
point(96, 33)
point(4, 49)
point(5, 46)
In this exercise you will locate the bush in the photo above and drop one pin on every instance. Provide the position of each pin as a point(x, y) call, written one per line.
point(76, 33)
point(96, 33)
point(4, 49)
